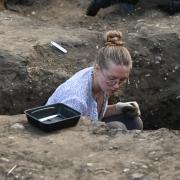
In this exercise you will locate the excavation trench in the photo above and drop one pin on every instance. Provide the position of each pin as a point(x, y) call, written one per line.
point(162, 115)
point(24, 86)
point(27, 82)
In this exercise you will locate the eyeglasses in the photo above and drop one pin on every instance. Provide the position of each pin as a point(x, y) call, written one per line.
point(113, 82)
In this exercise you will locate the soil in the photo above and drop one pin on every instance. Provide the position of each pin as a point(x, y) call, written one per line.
point(30, 70)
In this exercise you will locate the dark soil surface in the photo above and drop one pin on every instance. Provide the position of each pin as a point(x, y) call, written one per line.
point(31, 69)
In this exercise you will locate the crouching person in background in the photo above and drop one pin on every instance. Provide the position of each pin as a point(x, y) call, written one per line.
point(88, 90)
point(96, 5)
point(11, 4)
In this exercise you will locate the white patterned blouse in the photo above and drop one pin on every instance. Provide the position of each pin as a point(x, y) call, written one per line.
point(76, 92)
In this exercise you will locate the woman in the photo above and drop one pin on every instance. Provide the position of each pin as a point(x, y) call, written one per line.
point(88, 90)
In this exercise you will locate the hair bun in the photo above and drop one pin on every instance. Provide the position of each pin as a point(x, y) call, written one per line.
point(113, 38)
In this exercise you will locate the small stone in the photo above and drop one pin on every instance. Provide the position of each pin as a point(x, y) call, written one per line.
point(137, 176)
point(11, 137)
point(90, 28)
point(51, 141)
point(113, 148)
point(91, 155)
point(89, 164)
point(177, 97)
point(141, 20)
point(126, 170)
point(17, 126)
point(152, 153)
point(136, 86)
point(44, 18)
point(157, 62)
point(33, 12)
point(158, 58)
point(147, 75)
point(136, 54)
point(144, 166)
point(5, 159)
point(7, 18)
point(137, 131)
point(133, 162)
point(176, 67)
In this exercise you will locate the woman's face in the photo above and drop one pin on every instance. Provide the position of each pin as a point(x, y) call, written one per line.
point(112, 79)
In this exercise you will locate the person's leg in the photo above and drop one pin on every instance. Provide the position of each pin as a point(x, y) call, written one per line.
point(130, 123)
point(116, 125)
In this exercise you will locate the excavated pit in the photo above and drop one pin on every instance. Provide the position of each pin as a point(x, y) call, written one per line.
point(154, 81)
point(31, 70)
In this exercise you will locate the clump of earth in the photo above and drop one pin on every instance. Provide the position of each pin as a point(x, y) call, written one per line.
point(31, 69)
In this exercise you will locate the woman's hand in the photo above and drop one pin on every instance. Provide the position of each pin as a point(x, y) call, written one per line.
point(130, 109)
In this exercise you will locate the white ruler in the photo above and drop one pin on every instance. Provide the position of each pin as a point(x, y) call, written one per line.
point(58, 47)
point(47, 118)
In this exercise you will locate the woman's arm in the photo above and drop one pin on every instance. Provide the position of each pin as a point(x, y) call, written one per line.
point(126, 108)
point(111, 110)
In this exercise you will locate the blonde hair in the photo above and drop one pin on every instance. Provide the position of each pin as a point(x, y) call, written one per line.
point(113, 51)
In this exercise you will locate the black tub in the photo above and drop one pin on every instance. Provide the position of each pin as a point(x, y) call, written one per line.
point(53, 117)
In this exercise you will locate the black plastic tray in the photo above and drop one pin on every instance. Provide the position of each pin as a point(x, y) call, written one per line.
point(52, 117)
